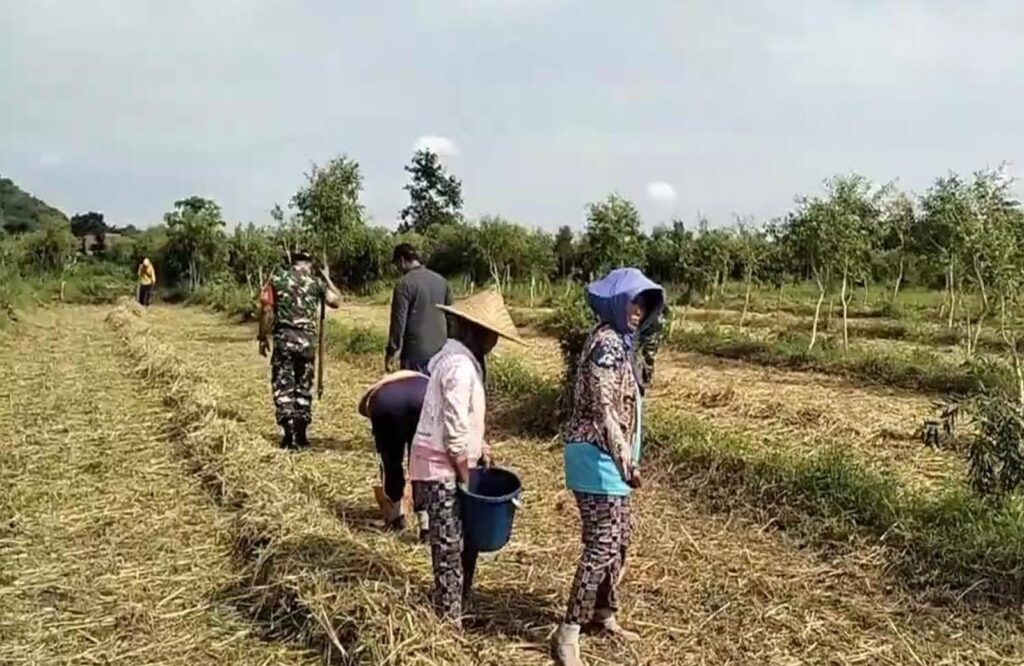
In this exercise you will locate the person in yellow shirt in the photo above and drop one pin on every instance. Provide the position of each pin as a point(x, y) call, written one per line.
point(147, 280)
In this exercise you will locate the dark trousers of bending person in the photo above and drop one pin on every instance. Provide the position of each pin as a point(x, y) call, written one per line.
point(394, 412)
point(145, 294)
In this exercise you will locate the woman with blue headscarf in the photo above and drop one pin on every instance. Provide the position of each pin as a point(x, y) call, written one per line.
point(602, 450)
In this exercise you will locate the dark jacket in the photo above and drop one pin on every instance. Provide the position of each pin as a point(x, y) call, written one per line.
point(418, 328)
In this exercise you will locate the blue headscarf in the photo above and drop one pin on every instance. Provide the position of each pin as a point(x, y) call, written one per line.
point(610, 297)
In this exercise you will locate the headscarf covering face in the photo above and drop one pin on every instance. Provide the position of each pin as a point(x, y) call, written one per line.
point(611, 296)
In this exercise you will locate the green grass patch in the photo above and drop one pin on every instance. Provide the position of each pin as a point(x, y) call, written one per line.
point(946, 538)
point(916, 369)
point(909, 328)
point(223, 296)
point(91, 283)
point(523, 401)
point(359, 345)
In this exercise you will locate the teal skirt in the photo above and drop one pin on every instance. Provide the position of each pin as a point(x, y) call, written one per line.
point(588, 469)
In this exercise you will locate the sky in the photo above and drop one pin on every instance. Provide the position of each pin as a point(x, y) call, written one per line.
point(712, 107)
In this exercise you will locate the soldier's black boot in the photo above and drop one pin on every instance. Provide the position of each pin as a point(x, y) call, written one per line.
point(301, 439)
point(288, 438)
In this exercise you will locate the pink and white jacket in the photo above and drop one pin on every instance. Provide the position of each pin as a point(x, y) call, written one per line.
point(451, 422)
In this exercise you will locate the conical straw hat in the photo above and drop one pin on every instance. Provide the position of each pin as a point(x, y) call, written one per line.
point(486, 309)
point(364, 402)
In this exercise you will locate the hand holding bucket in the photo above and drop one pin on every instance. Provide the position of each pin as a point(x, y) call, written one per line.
point(489, 503)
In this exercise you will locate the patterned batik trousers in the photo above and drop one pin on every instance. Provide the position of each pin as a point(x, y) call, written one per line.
point(291, 380)
point(606, 534)
point(454, 565)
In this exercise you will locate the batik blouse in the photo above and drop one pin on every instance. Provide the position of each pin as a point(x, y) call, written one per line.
point(605, 417)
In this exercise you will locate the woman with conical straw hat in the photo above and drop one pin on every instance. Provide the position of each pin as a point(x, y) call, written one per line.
point(602, 450)
point(450, 439)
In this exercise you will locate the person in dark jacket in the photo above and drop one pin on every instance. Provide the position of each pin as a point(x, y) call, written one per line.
point(418, 329)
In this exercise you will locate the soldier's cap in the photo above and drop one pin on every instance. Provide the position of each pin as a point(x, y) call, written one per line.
point(301, 255)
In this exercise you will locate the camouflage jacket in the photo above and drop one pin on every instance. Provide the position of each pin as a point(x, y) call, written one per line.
point(294, 294)
point(648, 342)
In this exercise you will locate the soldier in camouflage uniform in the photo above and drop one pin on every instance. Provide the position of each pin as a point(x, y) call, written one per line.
point(649, 340)
point(289, 309)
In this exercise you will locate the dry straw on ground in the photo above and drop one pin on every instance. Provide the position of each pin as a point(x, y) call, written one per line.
point(110, 553)
point(306, 576)
point(702, 588)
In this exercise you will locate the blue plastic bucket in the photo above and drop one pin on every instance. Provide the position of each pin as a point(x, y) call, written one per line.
point(489, 507)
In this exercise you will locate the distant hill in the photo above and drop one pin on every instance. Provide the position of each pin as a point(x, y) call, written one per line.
point(20, 211)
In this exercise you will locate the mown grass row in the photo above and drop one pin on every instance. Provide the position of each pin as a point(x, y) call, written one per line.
point(915, 369)
point(304, 575)
point(947, 539)
point(901, 330)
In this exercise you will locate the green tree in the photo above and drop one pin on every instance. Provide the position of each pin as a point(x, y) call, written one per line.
point(329, 210)
point(990, 261)
point(503, 247)
point(945, 209)
point(252, 255)
point(454, 249)
point(566, 252)
point(752, 251)
point(366, 257)
point(713, 255)
point(899, 219)
point(50, 249)
point(663, 254)
point(196, 244)
point(613, 237)
point(805, 233)
point(435, 197)
point(853, 213)
point(833, 237)
point(91, 223)
point(538, 259)
point(88, 223)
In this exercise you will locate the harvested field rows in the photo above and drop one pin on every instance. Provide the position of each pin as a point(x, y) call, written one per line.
point(110, 552)
point(701, 589)
point(804, 411)
point(779, 408)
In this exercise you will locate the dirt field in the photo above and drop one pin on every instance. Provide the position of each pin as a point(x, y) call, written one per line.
point(702, 588)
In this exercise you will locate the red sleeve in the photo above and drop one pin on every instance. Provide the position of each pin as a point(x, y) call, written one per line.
point(267, 295)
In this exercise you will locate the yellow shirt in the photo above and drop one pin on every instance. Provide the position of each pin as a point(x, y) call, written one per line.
point(147, 275)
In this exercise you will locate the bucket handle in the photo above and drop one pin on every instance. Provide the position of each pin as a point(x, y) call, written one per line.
point(517, 501)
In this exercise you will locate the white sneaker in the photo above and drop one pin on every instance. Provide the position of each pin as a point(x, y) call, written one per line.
point(566, 645)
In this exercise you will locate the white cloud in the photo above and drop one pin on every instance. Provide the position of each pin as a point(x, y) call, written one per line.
point(439, 145)
point(51, 159)
point(661, 191)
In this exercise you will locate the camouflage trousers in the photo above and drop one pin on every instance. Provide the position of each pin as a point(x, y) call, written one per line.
point(291, 380)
